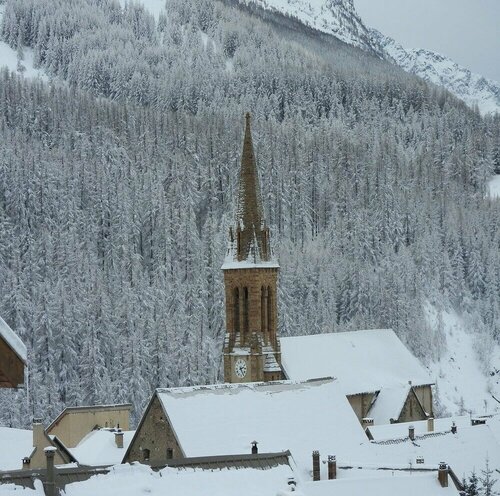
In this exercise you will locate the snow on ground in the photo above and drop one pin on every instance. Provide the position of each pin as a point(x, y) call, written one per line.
point(337, 18)
point(494, 186)
point(8, 57)
point(13, 490)
point(462, 386)
point(131, 480)
point(15, 444)
point(153, 6)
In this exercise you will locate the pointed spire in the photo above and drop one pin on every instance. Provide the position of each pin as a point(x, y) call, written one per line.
point(250, 222)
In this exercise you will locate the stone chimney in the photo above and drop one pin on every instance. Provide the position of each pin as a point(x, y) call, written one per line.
point(411, 432)
point(443, 474)
point(50, 483)
point(255, 449)
point(430, 424)
point(39, 439)
point(316, 467)
point(119, 438)
point(332, 467)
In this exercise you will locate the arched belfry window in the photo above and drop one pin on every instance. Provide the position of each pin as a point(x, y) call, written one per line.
point(236, 309)
point(245, 310)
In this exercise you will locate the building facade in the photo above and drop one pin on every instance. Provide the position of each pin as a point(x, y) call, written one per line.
point(251, 346)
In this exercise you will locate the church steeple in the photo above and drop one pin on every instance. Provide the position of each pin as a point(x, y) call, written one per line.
point(252, 235)
point(251, 346)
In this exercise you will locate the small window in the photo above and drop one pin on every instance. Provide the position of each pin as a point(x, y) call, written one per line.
point(170, 453)
point(145, 454)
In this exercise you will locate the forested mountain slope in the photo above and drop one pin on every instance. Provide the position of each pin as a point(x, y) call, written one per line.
point(117, 181)
point(340, 18)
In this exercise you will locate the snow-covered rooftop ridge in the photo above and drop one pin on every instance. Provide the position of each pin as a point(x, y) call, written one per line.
point(282, 385)
point(280, 416)
point(131, 480)
point(362, 361)
point(464, 451)
point(385, 482)
point(421, 427)
point(390, 402)
point(99, 448)
point(13, 340)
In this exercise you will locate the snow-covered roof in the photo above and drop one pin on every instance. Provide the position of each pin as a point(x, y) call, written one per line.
point(130, 480)
point(99, 448)
point(389, 403)
point(299, 416)
point(13, 340)
point(381, 483)
point(464, 451)
point(400, 430)
point(15, 444)
point(363, 361)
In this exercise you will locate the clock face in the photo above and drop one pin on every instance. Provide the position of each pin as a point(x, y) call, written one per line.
point(240, 368)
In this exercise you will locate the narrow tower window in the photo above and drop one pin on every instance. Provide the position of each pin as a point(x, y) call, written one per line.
point(245, 311)
point(236, 308)
point(270, 313)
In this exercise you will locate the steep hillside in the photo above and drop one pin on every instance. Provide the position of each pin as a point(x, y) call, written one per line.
point(473, 89)
point(116, 189)
point(340, 18)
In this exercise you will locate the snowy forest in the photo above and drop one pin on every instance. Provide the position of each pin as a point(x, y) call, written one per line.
point(118, 178)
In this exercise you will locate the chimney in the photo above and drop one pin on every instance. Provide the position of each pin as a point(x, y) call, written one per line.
point(50, 483)
point(411, 432)
point(367, 422)
point(255, 450)
point(453, 428)
point(39, 439)
point(332, 467)
point(316, 468)
point(430, 424)
point(443, 474)
point(119, 438)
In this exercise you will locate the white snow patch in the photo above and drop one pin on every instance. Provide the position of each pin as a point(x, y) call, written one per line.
point(131, 480)
point(13, 490)
point(99, 448)
point(15, 444)
point(464, 451)
point(13, 340)
point(494, 186)
point(154, 7)
point(383, 483)
point(338, 18)
point(461, 383)
point(8, 58)
point(362, 361)
point(279, 416)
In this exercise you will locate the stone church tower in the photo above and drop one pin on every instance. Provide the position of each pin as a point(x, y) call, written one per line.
point(251, 347)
